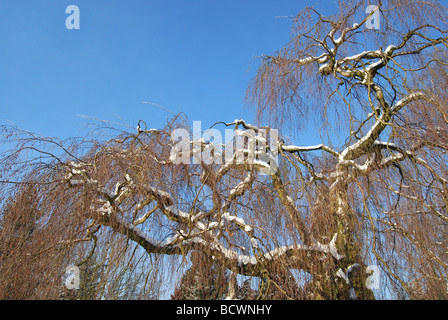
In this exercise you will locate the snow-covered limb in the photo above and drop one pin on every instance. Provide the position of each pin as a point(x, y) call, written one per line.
point(246, 264)
point(328, 248)
point(243, 123)
point(239, 221)
point(385, 144)
point(321, 59)
point(240, 187)
point(238, 190)
point(406, 100)
point(105, 208)
point(200, 234)
point(145, 216)
point(292, 148)
point(338, 41)
point(363, 145)
point(122, 190)
point(78, 176)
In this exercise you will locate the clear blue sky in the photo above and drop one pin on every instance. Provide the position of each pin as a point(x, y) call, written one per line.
point(194, 56)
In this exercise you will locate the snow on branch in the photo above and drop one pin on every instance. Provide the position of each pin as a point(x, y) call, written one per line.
point(406, 100)
point(363, 145)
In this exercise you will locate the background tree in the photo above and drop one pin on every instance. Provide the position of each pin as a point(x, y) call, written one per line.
point(372, 193)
